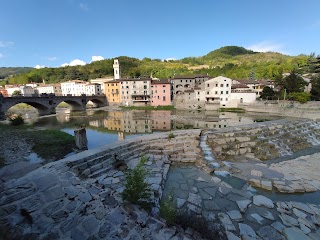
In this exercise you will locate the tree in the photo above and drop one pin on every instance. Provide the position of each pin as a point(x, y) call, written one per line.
point(301, 97)
point(16, 93)
point(267, 93)
point(315, 90)
point(292, 83)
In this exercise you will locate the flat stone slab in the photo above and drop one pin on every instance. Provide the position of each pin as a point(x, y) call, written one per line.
point(243, 205)
point(246, 231)
point(260, 200)
point(269, 233)
point(295, 234)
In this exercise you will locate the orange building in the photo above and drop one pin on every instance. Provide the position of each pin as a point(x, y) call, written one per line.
point(4, 92)
point(112, 91)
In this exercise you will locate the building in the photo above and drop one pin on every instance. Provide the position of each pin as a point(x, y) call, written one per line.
point(180, 84)
point(116, 69)
point(4, 92)
point(50, 89)
point(74, 88)
point(93, 89)
point(218, 91)
point(241, 94)
point(135, 91)
point(26, 91)
point(255, 85)
point(112, 92)
point(102, 82)
point(160, 92)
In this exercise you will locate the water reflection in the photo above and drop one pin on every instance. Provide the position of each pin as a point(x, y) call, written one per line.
point(105, 126)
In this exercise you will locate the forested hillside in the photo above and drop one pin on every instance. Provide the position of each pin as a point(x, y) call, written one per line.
point(231, 61)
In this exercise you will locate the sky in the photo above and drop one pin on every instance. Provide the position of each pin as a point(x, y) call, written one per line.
point(54, 33)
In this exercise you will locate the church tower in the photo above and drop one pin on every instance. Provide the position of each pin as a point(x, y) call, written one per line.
point(116, 69)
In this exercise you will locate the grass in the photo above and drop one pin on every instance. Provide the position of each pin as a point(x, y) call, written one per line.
point(236, 110)
point(47, 144)
point(148, 107)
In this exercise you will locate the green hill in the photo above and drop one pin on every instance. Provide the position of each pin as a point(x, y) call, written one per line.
point(231, 61)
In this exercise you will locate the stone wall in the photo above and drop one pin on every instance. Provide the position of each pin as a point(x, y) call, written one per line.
point(264, 141)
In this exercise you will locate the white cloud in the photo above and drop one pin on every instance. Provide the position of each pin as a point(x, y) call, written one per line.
point(96, 58)
point(39, 66)
point(266, 46)
point(83, 6)
point(6, 44)
point(74, 62)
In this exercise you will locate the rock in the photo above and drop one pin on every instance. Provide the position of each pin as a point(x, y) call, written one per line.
point(268, 215)
point(180, 202)
point(287, 220)
point(53, 194)
point(231, 236)
point(216, 180)
point(246, 231)
point(297, 187)
point(90, 224)
point(195, 199)
point(165, 233)
point(298, 213)
point(295, 234)
point(266, 184)
point(255, 182)
point(194, 208)
point(243, 204)
point(260, 200)
point(316, 219)
point(224, 190)
point(304, 228)
point(309, 187)
point(278, 226)
point(258, 218)
point(84, 196)
point(283, 188)
point(256, 173)
point(302, 206)
point(227, 223)
point(306, 223)
point(200, 179)
point(269, 233)
point(234, 215)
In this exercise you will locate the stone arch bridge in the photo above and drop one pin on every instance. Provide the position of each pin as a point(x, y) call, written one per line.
point(47, 104)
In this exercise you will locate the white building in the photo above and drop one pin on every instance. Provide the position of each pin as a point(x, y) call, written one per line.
point(74, 88)
point(102, 82)
point(50, 89)
point(116, 69)
point(26, 91)
point(93, 89)
point(242, 94)
point(218, 90)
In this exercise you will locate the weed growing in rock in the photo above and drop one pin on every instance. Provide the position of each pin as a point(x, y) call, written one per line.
point(136, 190)
point(170, 135)
point(15, 119)
point(168, 210)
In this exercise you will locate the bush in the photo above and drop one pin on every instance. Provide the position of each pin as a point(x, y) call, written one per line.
point(168, 210)
point(301, 97)
point(15, 119)
point(170, 135)
point(136, 190)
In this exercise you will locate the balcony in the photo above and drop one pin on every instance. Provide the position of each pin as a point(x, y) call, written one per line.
point(115, 92)
point(140, 98)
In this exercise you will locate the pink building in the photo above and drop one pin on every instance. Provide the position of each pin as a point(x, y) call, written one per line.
point(160, 92)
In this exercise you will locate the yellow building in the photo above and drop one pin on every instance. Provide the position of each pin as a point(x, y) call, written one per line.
point(112, 91)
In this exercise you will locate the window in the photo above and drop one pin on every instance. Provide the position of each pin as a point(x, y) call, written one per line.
point(164, 91)
point(226, 99)
point(208, 92)
point(208, 85)
point(145, 87)
point(221, 85)
point(164, 98)
point(216, 84)
point(221, 92)
point(198, 92)
point(216, 92)
point(156, 91)
point(227, 92)
point(158, 97)
point(180, 80)
point(227, 84)
point(163, 85)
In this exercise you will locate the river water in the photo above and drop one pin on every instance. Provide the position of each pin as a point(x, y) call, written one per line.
point(110, 125)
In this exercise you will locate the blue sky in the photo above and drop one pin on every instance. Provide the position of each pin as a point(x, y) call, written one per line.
point(55, 32)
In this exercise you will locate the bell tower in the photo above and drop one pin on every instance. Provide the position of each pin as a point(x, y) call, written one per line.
point(116, 69)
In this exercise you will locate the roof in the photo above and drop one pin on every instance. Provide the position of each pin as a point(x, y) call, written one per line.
point(134, 79)
point(234, 86)
point(189, 76)
point(161, 81)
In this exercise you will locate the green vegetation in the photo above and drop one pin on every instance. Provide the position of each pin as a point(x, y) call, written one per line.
point(292, 83)
point(168, 210)
point(301, 97)
point(230, 61)
point(267, 93)
point(136, 190)
point(237, 110)
point(15, 119)
point(170, 136)
point(6, 72)
point(148, 107)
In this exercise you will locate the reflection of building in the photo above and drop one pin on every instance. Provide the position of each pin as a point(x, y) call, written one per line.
point(4, 92)
point(114, 121)
point(161, 120)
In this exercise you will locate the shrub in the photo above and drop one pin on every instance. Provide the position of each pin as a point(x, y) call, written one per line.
point(15, 119)
point(170, 135)
point(136, 190)
point(168, 210)
point(301, 97)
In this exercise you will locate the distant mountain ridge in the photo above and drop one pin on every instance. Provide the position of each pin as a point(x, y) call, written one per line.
point(230, 61)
